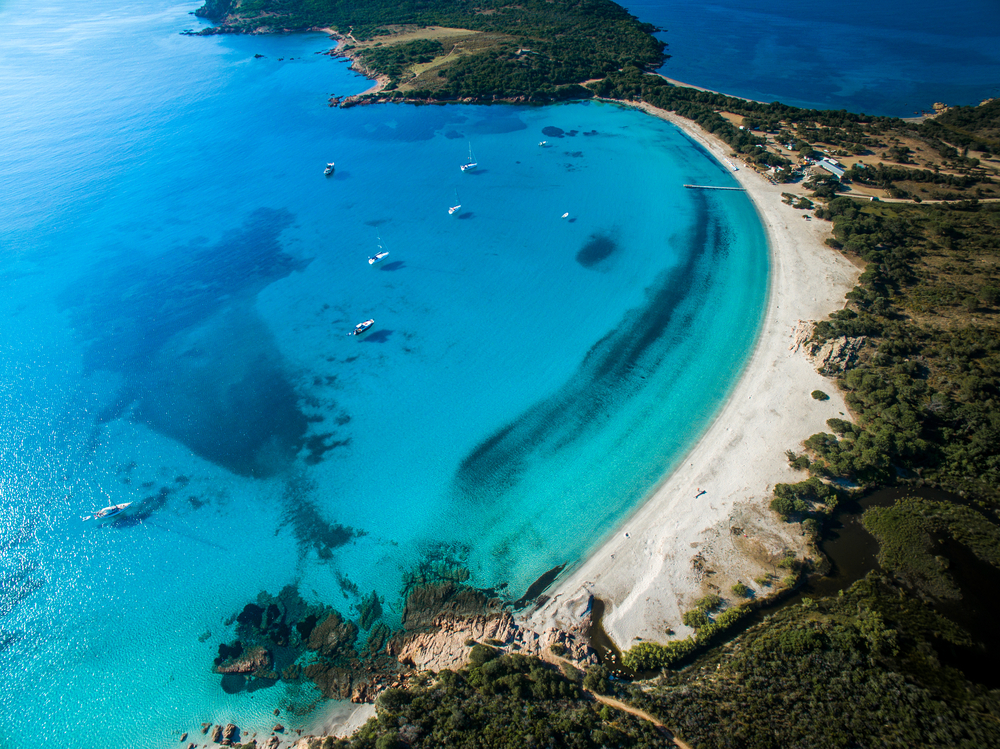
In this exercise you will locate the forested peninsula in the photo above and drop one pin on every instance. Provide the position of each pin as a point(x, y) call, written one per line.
point(537, 50)
point(905, 656)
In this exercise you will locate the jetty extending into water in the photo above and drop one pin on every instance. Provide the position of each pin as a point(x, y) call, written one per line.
point(715, 187)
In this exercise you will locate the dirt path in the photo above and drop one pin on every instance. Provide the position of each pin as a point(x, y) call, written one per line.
point(555, 660)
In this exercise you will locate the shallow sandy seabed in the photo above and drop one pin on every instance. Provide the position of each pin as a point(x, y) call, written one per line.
point(711, 513)
point(645, 572)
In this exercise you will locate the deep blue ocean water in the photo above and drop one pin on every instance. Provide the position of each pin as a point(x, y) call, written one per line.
point(893, 57)
point(178, 280)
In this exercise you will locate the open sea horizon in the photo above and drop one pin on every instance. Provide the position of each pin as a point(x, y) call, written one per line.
point(179, 281)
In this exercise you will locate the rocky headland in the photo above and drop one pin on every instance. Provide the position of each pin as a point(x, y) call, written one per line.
point(285, 638)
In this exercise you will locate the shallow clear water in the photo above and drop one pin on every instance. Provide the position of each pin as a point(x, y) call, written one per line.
point(178, 278)
point(894, 57)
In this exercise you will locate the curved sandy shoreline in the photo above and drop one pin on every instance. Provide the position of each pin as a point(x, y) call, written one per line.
point(652, 568)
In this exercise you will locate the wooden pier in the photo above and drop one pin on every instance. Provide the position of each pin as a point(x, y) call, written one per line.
point(714, 187)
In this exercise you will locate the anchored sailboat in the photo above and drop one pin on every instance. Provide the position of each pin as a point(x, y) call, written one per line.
point(382, 253)
point(452, 209)
point(471, 163)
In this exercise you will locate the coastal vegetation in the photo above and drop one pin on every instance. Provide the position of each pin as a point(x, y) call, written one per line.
point(500, 700)
point(538, 50)
point(858, 669)
point(911, 531)
point(925, 389)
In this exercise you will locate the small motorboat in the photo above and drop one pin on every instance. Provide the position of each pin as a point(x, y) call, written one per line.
point(361, 327)
point(329, 169)
point(543, 143)
point(565, 215)
point(106, 512)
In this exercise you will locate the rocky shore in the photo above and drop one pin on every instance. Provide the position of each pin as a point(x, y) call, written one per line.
point(284, 638)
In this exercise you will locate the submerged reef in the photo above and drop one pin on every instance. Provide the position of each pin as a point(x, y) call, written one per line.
point(608, 373)
point(197, 362)
point(599, 247)
point(286, 638)
point(310, 528)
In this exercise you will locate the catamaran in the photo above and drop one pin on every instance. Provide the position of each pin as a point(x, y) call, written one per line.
point(361, 327)
point(329, 169)
point(106, 512)
point(379, 256)
point(471, 163)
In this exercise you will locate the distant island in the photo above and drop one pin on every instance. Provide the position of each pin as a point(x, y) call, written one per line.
point(885, 306)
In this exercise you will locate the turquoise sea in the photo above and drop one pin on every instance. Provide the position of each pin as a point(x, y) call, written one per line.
point(178, 279)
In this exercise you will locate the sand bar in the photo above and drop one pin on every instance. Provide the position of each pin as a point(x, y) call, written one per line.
point(653, 567)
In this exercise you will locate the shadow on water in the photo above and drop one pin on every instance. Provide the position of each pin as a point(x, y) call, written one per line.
point(977, 612)
point(379, 336)
point(538, 587)
point(394, 265)
point(197, 362)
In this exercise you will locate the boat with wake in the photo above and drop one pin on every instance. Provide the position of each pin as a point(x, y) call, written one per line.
point(106, 512)
point(361, 327)
point(379, 256)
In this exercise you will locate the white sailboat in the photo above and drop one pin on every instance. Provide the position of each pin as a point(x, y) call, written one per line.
point(454, 208)
point(382, 253)
point(471, 163)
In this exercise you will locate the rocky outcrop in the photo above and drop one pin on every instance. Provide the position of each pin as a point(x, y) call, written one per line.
point(249, 662)
point(369, 611)
point(332, 637)
point(835, 355)
point(427, 603)
point(443, 644)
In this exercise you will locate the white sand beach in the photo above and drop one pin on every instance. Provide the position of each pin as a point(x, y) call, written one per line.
point(708, 525)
